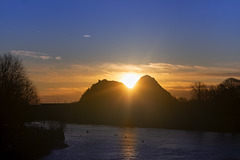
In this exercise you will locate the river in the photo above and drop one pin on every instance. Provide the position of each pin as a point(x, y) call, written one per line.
point(111, 142)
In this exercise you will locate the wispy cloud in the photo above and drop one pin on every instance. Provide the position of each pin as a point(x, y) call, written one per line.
point(159, 67)
point(87, 36)
point(37, 55)
point(32, 54)
point(164, 72)
point(58, 58)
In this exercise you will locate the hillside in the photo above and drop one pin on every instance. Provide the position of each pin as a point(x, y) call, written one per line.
point(112, 102)
point(105, 93)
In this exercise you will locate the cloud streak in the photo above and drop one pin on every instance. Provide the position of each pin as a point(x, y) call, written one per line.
point(160, 68)
point(87, 36)
point(163, 72)
point(32, 54)
point(58, 58)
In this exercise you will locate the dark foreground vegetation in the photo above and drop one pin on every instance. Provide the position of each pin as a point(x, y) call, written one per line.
point(20, 137)
point(22, 142)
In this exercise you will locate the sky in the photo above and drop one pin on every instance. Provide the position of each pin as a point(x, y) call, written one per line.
point(67, 45)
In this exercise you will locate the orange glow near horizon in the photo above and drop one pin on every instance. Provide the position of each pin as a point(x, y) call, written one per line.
point(66, 83)
point(130, 79)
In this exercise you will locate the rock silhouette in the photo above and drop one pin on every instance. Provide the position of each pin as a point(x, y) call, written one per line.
point(111, 101)
point(149, 93)
point(146, 92)
point(105, 93)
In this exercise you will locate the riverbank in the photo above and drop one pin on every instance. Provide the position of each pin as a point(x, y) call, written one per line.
point(22, 142)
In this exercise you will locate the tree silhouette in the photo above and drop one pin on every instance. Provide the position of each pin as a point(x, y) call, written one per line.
point(231, 83)
point(229, 90)
point(199, 92)
point(15, 87)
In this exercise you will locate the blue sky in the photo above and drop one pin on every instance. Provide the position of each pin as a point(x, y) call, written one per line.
point(98, 32)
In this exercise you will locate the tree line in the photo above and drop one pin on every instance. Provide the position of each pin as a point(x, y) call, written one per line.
point(226, 92)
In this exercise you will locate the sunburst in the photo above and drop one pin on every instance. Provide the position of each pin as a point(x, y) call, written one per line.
point(130, 79)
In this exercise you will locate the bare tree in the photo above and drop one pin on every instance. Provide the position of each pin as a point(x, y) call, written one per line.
point(199, 92)
point(15, 86)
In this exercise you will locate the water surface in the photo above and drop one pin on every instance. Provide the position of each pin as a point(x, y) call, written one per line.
point(110, 142)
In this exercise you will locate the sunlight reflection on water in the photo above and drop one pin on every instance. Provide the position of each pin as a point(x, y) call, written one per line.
point(129, 143)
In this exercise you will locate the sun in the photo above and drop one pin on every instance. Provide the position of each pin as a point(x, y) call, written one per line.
point(130, 79)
